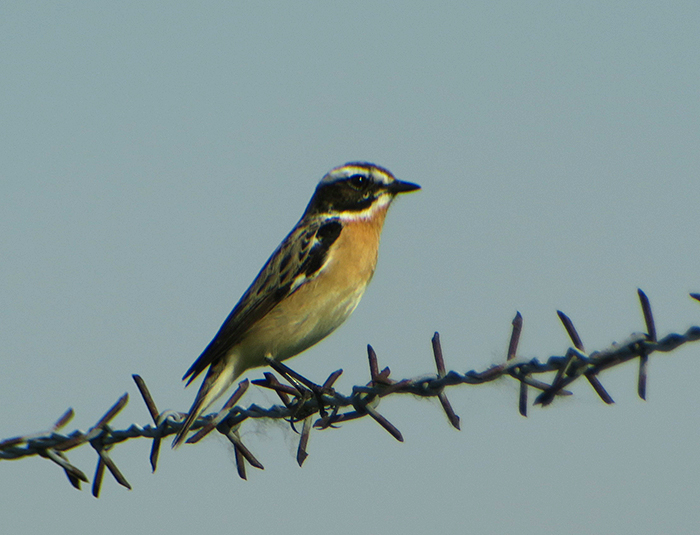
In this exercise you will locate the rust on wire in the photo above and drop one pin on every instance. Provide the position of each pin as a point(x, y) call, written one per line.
point(304, 399)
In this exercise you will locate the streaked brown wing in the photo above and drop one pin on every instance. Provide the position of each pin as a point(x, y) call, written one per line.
point(296, 261)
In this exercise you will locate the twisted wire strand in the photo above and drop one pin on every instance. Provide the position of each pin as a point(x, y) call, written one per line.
point(302, 400)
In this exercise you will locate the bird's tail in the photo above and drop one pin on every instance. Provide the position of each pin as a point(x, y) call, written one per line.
point(218, 379)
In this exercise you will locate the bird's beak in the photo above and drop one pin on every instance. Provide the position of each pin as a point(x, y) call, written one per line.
point(398, 186)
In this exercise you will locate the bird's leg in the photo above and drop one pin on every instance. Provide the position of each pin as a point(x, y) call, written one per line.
point(305, 386)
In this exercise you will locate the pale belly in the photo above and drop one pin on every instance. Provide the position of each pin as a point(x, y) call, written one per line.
point(290, 328)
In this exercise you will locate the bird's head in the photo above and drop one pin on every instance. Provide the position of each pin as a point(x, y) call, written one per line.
point(356, 190)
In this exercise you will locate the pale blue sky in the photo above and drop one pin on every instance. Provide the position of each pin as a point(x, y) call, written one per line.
point(154, 154)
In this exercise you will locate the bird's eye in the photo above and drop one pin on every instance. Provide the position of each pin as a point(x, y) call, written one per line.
point(358, 181)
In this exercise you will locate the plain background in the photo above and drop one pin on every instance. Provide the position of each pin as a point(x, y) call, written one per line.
point(154, 154)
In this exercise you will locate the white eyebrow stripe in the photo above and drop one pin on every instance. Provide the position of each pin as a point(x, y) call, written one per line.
point(375, 173)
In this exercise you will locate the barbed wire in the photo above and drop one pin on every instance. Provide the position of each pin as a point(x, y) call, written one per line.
point(303, 399)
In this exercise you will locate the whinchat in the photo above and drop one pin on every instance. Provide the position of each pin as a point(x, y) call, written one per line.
point(308, 287)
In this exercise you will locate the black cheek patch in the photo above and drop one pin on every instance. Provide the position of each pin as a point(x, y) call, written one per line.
point(353, 205)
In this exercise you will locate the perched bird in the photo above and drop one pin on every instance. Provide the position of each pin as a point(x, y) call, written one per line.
point(308, 287)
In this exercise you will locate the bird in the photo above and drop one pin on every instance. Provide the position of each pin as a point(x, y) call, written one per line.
point(308, 287)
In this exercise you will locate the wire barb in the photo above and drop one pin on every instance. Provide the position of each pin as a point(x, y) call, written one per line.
point(155, 415)
point(651, 335)
point(75, 476)
point(303, 441)
point(517, 329)
point(578, 344)
point(245, 453)
point(440, 364)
